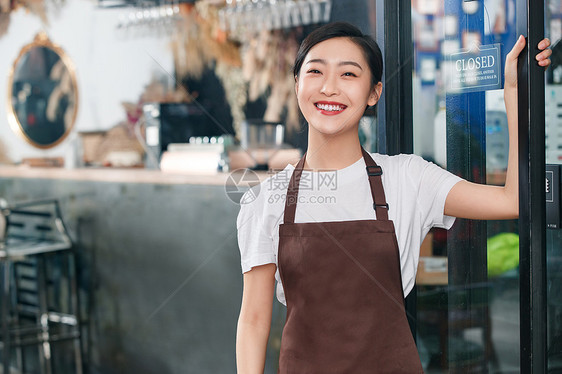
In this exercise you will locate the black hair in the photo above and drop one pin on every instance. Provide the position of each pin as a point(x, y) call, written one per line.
point(368, 45)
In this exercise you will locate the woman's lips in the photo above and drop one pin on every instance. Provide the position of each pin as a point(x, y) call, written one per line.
point(329, 108)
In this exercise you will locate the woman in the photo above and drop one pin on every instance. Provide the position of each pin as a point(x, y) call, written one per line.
point(342, 263)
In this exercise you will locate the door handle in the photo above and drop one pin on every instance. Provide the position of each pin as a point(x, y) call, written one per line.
point(553, 211)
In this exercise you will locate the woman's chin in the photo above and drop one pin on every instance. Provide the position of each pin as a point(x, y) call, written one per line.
point(325, 131)
point(328, 130)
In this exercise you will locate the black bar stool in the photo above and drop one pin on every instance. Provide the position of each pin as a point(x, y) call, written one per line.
point(39, 288)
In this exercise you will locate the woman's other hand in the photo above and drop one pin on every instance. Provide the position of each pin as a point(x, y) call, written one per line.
point(543, 59)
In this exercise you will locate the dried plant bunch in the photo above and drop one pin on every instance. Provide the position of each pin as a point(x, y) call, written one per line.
point(37, 7)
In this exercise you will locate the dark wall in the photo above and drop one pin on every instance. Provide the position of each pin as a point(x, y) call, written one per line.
point(352, 11)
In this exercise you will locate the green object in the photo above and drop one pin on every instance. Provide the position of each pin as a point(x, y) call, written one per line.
point(503, 253)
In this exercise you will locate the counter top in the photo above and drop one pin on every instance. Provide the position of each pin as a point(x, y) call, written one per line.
point(121, 175)
point(118, 175)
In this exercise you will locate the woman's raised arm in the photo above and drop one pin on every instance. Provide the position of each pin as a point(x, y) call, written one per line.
point(480, 201)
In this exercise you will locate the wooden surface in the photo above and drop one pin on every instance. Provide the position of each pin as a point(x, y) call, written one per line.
point(118, 175)
point(431, 275)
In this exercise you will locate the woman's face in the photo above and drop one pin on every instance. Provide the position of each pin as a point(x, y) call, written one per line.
point(334, 86)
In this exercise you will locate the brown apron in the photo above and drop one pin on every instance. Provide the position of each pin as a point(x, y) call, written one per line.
point(343, 288)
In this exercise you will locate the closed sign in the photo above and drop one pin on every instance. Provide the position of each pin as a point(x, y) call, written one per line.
point(477, 69)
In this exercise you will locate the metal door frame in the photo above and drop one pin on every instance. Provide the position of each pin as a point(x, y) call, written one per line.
point(396, 135)
point(532, 210)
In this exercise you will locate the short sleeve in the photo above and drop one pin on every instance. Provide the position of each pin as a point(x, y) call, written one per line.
point(433, 184)
point(254, 239)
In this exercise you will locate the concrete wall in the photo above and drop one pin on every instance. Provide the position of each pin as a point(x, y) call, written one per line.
point(160, 274)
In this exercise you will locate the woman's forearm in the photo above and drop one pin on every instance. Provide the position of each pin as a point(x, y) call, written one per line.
point(477, 201)
point(511, 188)
point(251, 345)
point(480, 201)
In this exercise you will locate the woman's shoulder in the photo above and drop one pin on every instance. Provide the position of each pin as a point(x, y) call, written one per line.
point(400, 160)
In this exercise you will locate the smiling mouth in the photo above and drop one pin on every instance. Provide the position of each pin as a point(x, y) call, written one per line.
point(330, 108)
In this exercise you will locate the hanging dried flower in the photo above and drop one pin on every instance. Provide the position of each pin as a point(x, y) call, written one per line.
point(235, 89)
point(267, 60)
point(4, 159)
point(4, 23)
point(37, 7)
point(5, 6)
point(197, 42)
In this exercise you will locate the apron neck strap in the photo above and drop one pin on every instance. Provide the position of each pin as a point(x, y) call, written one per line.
point(374, 173)
point(293, 192)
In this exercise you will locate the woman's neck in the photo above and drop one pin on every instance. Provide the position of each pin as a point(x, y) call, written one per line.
point(332, 152)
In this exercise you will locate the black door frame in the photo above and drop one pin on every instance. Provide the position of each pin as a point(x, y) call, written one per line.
point(395, 112)
point(397, 107)
point(396, 136)
point(532, 210)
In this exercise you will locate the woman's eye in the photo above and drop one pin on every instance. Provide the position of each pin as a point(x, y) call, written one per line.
point(349, 74)
point(314, 71)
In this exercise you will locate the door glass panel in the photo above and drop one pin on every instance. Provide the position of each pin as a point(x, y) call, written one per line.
point(553, 130)
point(468, 277)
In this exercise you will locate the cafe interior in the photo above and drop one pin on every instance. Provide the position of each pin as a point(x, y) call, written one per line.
point(129, 132)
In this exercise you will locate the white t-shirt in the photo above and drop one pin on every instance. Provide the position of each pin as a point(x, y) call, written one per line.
point(415, 191)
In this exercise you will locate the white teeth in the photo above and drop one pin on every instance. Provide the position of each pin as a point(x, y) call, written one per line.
point(330, 107)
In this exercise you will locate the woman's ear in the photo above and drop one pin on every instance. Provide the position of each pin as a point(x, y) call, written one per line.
point(296, 85)
point(375, 94)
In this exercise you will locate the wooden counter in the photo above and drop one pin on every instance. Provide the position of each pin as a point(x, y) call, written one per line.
point(431, 275)
point(116, 175)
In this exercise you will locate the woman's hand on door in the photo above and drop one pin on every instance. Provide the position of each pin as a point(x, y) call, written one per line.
point(480, 201)
point(542, 58)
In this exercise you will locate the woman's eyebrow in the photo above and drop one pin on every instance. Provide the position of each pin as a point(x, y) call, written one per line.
point(350, 63)
point(341, 63)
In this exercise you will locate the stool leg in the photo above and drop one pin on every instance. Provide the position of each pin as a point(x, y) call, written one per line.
point(75, 302)
point(5, 315)
point(44, 338)
point(14, 290)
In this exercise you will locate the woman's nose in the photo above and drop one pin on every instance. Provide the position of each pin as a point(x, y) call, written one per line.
point(329, 86)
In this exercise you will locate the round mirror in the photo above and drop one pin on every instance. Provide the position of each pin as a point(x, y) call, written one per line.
point(42, 94)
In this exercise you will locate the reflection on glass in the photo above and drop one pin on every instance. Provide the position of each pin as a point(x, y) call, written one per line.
point(43, 94)
point(554, 299)
point(553, 119)
point(468, 321)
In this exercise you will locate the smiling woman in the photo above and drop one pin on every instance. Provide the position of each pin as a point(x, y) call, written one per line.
point(333, 91)
point(344, 267)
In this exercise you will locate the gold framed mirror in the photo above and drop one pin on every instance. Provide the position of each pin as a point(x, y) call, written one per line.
point(42, 93)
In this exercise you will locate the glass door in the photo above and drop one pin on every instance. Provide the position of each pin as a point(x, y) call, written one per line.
point(553, 155)
point(472, 302)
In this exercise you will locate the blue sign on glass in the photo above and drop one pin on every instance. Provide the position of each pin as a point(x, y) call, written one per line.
point(475, 69)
